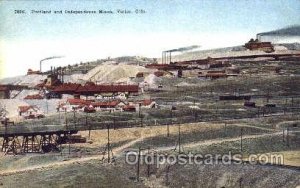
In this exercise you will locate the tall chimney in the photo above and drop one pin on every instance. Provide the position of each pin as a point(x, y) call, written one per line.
point(166, 57)
point(62, 76)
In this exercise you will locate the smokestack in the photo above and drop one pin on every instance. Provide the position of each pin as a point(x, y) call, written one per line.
point(258, 37)
point(166, 57)
point(48, 58)
point(62, 75)
point(41, 66)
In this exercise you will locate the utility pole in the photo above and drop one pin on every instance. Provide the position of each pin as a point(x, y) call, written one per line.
point(59, 116)
point(47, 106)
point(5, 124)
point(225, 128)
point(179, 140)
point(140, 114)
point(167, 175)
point(114, 120)
point(108, 145)
point(287, 137)
point(86, 124)
point(110, 155)
point(268, 95)
point(194, 109)
point(66, 120)
point(168, 128)
point(74, 117)
point(241, 141)
point(138, 165)
point(148, 165)
point(69, 137)
point(241, 182)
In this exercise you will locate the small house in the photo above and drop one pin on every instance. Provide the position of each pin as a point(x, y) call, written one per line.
point(30, 112)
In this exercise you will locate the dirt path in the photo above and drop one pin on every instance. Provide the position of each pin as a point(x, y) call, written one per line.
point(252, 126)
point(216, 141)
point(117, 151)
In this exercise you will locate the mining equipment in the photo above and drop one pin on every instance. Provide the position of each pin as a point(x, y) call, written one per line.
point(257, 44)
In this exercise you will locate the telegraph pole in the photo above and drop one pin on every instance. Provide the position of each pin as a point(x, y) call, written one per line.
point(168, 126)
point(114, 120)
point(194, 109)
point(66, 120)
point(138, 165)
point(179, 140)
point(86, 124)
point(148, 165)
point(225, 128)
point(74, 117)
point(242, 141)
point(287, 137)
point(108, 145)
point(140, 114)
point(110, 155)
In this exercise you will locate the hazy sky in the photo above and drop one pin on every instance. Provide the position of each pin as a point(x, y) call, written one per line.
point(27, 38)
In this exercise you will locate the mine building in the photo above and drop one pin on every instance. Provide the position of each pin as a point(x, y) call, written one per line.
point(4, 92)
point(67, 88)
point(148, 103)
point(31, 72)
point(30, 112)
point(115, 105)
point(258, 45)
point(92, 89)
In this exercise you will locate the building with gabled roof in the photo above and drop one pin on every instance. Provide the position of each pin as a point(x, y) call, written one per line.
point(108, 105)
point(91, 89)
point(30, 112)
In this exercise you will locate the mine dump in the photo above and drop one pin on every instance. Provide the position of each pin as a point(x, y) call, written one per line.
point(78, 125)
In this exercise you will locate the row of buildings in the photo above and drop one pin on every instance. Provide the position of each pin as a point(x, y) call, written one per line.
point(83, 105)
point(89, 106)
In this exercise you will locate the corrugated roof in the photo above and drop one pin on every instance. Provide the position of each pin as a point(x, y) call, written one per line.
point(37, 96)
point(107, 88)
point(25, 108)
point(105, 104)
point(79, 102)
point(146, 102)
point(67, 87)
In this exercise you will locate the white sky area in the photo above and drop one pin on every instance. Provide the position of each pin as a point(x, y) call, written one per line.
point(28, 38)
point(27, 54)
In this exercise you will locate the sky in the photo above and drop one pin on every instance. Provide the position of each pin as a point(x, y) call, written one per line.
point(27, 38)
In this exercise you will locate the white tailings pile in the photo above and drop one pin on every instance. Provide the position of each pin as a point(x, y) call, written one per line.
point(26, 80)
point(109, 73)
point(228, 52)
point(11, 106)
point(152, 80)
